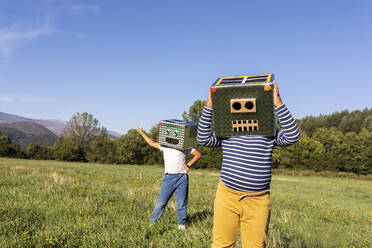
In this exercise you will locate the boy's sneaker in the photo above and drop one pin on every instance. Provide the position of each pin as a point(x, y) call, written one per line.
point(181, 227)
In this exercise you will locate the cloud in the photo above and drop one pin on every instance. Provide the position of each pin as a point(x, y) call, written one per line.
point(85, 8)
point(15, 36)
point(19, 99)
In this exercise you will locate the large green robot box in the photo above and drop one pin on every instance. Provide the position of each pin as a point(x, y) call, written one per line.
point(243, 105)
point(177, 134)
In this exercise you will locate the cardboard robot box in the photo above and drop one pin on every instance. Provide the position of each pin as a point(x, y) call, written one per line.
point(177, 134)
point(243, 105)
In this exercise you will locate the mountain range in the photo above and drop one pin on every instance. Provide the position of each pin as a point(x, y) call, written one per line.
point(55, 126)
point(23, 133)
point(23, 130)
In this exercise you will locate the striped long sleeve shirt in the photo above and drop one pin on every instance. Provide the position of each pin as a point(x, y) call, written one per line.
point(246, 163)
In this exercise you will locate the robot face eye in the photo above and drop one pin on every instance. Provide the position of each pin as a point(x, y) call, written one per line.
point(249, 105)
point(237, 106)
point(176, 132)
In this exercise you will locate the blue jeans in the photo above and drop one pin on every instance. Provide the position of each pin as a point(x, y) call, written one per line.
point(178, 183)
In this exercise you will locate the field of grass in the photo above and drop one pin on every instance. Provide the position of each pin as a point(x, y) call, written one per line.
point(59, 204)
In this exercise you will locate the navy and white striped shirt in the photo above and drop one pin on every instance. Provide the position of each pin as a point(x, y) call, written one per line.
point(246, 163)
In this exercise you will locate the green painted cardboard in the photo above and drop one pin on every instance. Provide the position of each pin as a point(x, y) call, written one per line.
point(252, 114)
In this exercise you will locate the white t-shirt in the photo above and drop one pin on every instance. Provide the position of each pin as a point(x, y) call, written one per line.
point(174, 160)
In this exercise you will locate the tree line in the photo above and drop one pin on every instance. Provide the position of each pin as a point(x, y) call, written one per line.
point(341, 141)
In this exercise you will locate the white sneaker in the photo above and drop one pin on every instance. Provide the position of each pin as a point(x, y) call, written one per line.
point(181, 227)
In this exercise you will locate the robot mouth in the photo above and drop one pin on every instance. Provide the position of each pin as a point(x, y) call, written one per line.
point(244, 125)
point(172, 141)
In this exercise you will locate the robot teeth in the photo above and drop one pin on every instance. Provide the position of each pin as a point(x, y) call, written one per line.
point(244, 125)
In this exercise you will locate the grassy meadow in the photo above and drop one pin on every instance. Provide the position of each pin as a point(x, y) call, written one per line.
point(60, 204)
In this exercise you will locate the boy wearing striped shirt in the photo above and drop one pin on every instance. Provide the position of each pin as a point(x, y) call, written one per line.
point(242, 196)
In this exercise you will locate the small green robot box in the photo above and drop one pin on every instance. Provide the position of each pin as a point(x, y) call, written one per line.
point(177, 134)
point(243, 105)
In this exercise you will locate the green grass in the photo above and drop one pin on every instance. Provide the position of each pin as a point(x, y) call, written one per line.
point(59, 204)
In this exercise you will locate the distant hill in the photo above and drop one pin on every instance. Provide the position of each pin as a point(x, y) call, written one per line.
point(113, 135)
point(25, 132)
point(56, 126)
point(4, 117)
point(28, 127)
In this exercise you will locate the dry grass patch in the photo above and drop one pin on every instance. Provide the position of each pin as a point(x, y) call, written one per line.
point(59, 179)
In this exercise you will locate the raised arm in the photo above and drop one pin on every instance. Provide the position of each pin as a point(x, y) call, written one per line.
point(205, 135)
point(147, 138)
point(289, 134)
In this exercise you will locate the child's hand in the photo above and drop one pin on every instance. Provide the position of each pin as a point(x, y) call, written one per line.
point(139, 129)
point(186, 168)
point(209, 99)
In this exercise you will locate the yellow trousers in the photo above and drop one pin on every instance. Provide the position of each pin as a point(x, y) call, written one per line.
point(250, 211)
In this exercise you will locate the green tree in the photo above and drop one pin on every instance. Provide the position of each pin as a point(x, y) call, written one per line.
point(103, 149)
point(344, 121)
point(34, 151)
point(367, 123)
point(66, 149)
point(350, 157)
point(351, 122)
point(8, 149)
point(334, 119)
point(47, 152)
point(332, 141)
point(131, 148)
point(310, 124)
point(211, 157)
point(354, 154)
point(151, 155)
point(366, 167)
point(307, 153)
point(83, 129)
point(329, 137)
point(365, 141)
point(195, 111)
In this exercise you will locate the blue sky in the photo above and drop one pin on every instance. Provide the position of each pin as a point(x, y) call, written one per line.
point(138, 62)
